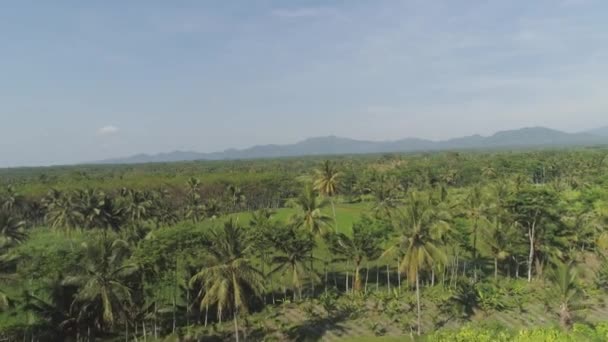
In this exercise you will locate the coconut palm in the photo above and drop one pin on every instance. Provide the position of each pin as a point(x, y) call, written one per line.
point(294, 251)
point(99, 210)
point(12, 200)
point(137, 205)
point(565, 278)
point(103, 292)
point(310, 215)
point(421, 230)
point(311, 218)
point(475, 211)
point(61, 211)
point(326, 182)
point(7, 275)
point(229, 280)
point(363, 245)
point(385, 192)
point(11, 230)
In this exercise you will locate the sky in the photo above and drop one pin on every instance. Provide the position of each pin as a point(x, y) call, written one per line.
point(88, 80)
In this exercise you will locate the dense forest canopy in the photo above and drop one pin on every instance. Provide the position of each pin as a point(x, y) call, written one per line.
point(480, 246)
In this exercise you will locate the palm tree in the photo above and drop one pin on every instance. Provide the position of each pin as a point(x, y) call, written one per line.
point(569, 295)
point(137, 205)
point(230, 279)
point(7, 275)
point(363, 245)
point(326, 182)
point(422, 229)
point(99, 210)
point(475, 211)
point(194, 206)
point(102, 288)
point(11, 230)
point(294, 247)
point(310, 215)
point(386, 199)
point(12, 200)
point(237, 197)
point(311, 218)
point(61, 212)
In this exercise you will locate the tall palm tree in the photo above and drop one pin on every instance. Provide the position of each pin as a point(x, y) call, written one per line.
point(422, 229)
point(386, 197)
point(311, 218)
point(310, 215)
point(363, 245)
point(194, 206)
point(326, 182)
point(101, 280)
point(294, 247)
point(229, 280)
point(475, 211)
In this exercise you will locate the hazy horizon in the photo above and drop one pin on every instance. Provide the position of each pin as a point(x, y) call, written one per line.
point(85, 82)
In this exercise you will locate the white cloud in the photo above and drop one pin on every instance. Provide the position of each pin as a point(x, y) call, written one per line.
point(107, 130)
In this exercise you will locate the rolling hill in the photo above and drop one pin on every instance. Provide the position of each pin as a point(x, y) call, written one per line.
point(520, 138)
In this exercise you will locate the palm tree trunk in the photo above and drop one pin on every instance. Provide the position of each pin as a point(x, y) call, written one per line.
point(366, 275)
point(495, 268)
point(388, 278)
point(347, 276)
point(475, 251)
point(399, 273)
point(155, 320)
point(206, 313)
point(325, 269)
point(236, 326)
point(531, 255)
point(377, 278)
point(333, 209)
point(312, 271)
point(174, 298)
point(144, 331)
point(357, 279)
point(418, 302)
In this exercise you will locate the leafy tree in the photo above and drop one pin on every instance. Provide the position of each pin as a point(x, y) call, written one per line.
point(533, 209)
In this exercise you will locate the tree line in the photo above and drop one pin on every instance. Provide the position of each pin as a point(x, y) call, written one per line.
point(145, 263)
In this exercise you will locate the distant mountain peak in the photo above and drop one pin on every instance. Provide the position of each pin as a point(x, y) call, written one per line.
point(535, 136)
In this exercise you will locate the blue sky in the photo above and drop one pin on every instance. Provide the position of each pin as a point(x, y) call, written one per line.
point(84, 80)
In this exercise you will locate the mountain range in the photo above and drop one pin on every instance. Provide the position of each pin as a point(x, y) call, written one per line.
point(511, 139)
